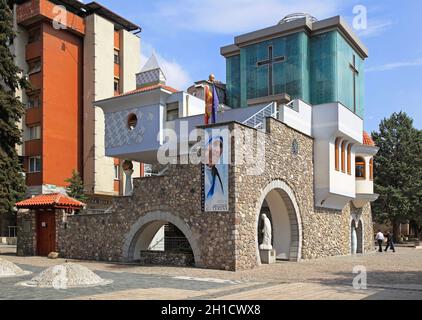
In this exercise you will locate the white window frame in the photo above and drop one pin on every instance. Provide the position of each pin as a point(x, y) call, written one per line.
point(116, 80)
point(36, 98)
point(116, 172)
point(116, 54)
point(34, 132)
point(32, 164)
point(172, 108)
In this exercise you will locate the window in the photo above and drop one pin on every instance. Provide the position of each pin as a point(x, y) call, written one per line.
point(34, 35)
point(116, 172)
point(349, 159)
point(343, 156)
point(360, 167)
point(34, 66)
point(172, 111)
point(132, 121)
point(336, 155)
point(34, 101)
point(116, 56)
point(34, 164)
point(116, 86)
point(34, 132)
point(371, 169)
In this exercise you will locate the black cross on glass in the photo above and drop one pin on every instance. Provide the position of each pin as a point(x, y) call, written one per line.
point(355, 73)
point(270, 62)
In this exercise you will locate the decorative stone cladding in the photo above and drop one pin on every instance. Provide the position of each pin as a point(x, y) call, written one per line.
point(179, 259)
point(219, 240)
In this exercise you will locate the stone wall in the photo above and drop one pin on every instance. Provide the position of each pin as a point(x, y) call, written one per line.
point(179, 259)
point(219, 240)
point(178, 193)
point(27, 226)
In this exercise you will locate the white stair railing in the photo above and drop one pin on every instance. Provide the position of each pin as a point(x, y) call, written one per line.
point(257, 120)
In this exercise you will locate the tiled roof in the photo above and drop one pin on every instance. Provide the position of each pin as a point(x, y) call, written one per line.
point(367, 140)
point(149, 88)
point(56, 200)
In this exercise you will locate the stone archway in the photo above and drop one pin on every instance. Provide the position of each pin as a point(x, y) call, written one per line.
point(143, 231)
point(286, 220)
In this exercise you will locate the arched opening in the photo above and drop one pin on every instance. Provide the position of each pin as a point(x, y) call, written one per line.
point(356, 233)
point(163, 239)
point(279, 204)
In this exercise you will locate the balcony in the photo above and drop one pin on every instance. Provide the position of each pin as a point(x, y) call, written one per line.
point(364, 181)
point(33, 50)
point(334, 188)
point(35, 79)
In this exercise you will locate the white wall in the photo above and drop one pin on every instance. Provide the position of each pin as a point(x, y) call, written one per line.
point(333, 189)
point(98, 82)
point(297, 115)
point(131, 59)
point(130, 64)
point(18, 49)
point(365, 186)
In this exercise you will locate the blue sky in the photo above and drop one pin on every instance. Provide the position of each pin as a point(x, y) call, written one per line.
point(187, 36)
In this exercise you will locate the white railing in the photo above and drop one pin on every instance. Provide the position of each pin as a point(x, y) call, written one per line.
point(257, 120)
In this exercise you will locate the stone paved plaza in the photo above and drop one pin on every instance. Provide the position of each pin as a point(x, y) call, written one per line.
point(389, 276)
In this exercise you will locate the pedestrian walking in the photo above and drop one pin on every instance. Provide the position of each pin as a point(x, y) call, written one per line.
point(390, 242)
point(380, 239)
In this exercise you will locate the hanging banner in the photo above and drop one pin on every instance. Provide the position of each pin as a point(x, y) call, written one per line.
point(215, 170)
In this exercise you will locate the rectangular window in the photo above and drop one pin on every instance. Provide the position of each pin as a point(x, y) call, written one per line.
point(116, 172)
point(116, 86)
point(34, 66)
point(336, 155)
point(343, 156)
point(34, 101)
point(172, 111)
point(34, 132)
point(34, 164)
point(349, 159)
point(116, 56)
point(34, 35)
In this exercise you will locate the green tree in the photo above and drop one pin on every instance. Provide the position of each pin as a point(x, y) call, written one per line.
point(76, 187)
point(12, 184)
point(397, 169)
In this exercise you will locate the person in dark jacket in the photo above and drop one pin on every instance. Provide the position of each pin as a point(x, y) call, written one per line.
point(390, 242)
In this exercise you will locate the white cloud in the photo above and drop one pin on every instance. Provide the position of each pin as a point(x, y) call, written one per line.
point(395, 65)
point(234, 16)
point(375, 28)
point(177, 76)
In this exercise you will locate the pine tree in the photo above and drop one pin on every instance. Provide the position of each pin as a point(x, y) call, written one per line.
point(12, 184)
point(397, 169)
point(76, 187)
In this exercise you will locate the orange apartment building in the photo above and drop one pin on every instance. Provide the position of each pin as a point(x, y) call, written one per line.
point(73, 54)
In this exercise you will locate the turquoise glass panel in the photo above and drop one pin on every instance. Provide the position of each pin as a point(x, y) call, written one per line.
point(289, 76)
point(233, 81)
point(323, 68)
point(316, 70)
point(347, 60)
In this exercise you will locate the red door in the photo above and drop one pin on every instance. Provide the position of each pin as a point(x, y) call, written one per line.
point(46, 233)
